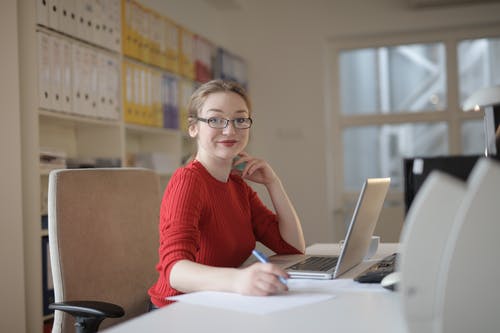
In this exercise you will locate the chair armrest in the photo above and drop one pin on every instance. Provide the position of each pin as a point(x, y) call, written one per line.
point(88, 314)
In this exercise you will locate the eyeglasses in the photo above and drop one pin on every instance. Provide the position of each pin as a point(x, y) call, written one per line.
point(220, 123)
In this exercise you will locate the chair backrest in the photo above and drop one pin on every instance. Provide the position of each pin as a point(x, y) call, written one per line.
point(467, 288)
point(103, 236)
point(422, 244)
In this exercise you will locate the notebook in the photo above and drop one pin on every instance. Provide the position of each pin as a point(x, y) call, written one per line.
point(356, 243)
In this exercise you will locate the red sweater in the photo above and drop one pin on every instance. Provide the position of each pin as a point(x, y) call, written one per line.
point(212, 223)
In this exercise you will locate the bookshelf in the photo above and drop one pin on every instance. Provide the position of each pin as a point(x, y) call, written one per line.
point(88, 115)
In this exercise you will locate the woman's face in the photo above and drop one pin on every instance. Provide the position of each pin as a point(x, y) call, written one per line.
point(223, 143)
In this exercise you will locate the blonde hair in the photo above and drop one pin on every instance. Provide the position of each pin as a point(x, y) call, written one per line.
point(200, 95)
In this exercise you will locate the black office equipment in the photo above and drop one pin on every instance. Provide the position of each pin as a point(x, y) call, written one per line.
point(492, 129)
point(417, 169)
point(376, 272)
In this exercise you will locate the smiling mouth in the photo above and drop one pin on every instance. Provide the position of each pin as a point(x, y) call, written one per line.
point(228, 143)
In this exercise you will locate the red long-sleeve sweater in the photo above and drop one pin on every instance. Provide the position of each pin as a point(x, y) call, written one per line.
point(212, 223)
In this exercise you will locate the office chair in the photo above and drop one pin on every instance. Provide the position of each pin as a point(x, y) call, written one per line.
point(103, 241)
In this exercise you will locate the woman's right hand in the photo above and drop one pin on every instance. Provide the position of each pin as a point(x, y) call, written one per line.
point(260, 279)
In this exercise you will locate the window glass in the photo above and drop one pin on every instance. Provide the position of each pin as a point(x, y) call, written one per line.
point(404, 78)
point(473, 142)
point(478, 65)
point(378, 151)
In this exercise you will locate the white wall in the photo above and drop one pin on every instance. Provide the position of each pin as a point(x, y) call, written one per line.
point(284, 41)
point(12, 306)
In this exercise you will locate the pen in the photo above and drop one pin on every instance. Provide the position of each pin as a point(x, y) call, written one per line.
point(262, 258)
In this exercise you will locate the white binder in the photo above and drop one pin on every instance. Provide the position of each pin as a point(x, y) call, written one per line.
point(66, 75)
point(92, 88)
point(53, 11)
point(42, 12)
point(78, 78)
point(108, 86)
point(44, 80)
point(67, 21)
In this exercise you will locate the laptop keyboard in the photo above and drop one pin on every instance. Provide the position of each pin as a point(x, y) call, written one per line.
point(376, 272)
point(315, 264)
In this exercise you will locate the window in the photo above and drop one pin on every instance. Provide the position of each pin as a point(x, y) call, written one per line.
point(478, 65)
point(408, 79)
point(404, 78)
point(399, 96)
point(378, 151)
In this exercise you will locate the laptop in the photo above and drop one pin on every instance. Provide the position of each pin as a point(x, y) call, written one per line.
point(356, 243)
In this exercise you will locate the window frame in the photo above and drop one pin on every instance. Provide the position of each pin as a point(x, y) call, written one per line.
point(338, 199)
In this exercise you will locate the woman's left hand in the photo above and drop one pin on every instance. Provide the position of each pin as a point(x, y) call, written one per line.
point(255, 170)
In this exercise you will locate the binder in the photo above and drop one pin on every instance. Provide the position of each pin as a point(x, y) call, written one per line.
point(154, 36)
point(53, 14)
point(134, 30)
point(98, 23)
point(172, 35)
point(137, 95)
point(127, 29)
point(204, 57)
point(67, 16)
point(111, 25)
point(186, 89)
point(142, 27)
point(144, 95)
point(187, 54)
point(156, 99)
point(66, 64)
point(56, 58)
point(84, 27)
point(230, 67)
point(113, 88)
point(170, 101)
point(102, 86)
point(77, 79)
point(162, 42)
point(42, 12)
point(44, 85)
point(128, 89)
point(93, 93)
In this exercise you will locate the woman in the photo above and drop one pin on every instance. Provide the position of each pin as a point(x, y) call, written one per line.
point(210, 218)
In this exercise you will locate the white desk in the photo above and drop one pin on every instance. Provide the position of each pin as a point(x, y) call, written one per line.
point(349, 311)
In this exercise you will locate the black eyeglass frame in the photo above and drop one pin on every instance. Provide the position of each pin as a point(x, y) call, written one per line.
point(226, 122)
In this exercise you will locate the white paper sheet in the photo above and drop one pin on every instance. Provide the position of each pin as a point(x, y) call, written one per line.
point(253, 304)
point(301, 292)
